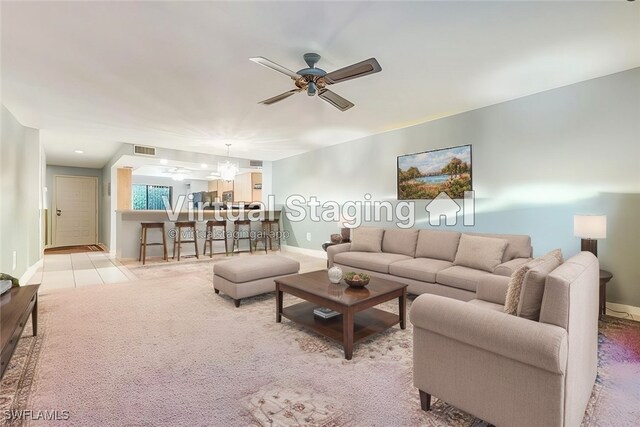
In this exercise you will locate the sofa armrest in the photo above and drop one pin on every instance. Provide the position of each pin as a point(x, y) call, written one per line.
point(334, 250)
point(526, 341)
point(493, 288)
point(509, 267)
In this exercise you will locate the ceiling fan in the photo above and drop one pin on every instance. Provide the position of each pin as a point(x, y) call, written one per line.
point(314, 80)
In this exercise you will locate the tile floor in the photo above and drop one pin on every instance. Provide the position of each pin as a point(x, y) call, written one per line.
point(63, 271)
point(66, 271)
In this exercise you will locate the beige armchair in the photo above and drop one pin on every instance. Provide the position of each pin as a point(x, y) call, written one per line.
point(508, 370)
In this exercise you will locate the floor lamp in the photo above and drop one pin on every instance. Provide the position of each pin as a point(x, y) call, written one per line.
point(590, 228)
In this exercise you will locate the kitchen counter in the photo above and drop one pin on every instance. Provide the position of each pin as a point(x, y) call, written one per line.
point(128, 228)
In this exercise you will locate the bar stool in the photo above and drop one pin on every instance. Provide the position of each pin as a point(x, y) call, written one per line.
point(267, 234)
point(269, 227)
point(142, 255)
point(210, 237)
point(237, 224)
point(190, 226)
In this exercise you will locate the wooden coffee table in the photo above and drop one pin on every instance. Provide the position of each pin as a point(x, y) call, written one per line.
point(358, 318)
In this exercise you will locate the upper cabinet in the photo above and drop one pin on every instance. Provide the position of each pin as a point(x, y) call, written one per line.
point(247, 187)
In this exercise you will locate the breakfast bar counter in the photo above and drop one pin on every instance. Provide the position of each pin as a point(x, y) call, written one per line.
point(128, 227)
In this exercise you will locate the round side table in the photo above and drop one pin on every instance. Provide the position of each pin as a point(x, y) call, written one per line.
point(605, 276)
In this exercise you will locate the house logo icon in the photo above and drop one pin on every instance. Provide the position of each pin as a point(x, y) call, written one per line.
point(445, 207)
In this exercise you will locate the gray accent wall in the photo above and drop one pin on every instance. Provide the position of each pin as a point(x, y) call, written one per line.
point(537, 161)
point(21, 170)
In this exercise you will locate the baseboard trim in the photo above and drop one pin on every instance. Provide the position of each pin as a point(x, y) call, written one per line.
point(311, 252)
point(24, 279)
point(622, 308)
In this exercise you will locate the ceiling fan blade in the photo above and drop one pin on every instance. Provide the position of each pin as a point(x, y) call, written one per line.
point(360, 69)
point(270, 64)
point(336, 100)
point(279, 97)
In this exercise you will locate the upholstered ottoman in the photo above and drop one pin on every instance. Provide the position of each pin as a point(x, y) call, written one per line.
point(249, 276)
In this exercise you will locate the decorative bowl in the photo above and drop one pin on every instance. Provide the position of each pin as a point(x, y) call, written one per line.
point(361, 281)
point(336, 238)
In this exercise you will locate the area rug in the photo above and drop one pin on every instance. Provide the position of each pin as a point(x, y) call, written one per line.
point(169, 351)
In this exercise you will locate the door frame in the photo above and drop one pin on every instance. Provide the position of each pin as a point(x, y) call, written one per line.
point(54, 203)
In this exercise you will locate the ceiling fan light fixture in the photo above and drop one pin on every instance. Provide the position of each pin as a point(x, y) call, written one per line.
point(314, 80)
point(311, 89)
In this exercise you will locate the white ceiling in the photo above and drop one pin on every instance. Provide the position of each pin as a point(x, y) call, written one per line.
point(177, 75)
point(201, 171)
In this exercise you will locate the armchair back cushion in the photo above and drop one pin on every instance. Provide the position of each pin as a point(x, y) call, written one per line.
point(482, 253)
point(399, 241)
point(532, 290)
point(437, 244)
point(366, 239)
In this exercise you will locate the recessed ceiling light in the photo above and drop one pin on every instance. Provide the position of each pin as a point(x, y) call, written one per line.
point(203, 165)
point(164, 161)
point(79, 152)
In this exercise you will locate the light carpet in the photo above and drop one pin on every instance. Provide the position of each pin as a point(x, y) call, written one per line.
point(169, 351)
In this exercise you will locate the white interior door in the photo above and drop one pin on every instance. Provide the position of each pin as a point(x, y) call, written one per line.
point(75, 212)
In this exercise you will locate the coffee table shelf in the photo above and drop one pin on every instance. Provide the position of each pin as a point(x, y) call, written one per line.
point(358, 317)
point(368, 322)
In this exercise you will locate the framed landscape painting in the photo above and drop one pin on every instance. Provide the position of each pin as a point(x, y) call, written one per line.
point(425, 175)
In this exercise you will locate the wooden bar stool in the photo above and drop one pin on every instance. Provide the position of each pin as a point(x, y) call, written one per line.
point(142, 255)
point(269, 228)
point(190, 226)
point(237, 224)
point(212, 226)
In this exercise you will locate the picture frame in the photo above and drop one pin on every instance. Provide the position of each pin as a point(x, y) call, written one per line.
point(424, 175)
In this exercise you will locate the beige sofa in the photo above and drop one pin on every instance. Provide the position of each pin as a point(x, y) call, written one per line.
point(509, 370)
point(427, 260)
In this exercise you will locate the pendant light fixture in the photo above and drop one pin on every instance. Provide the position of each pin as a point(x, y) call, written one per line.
point(228, 170)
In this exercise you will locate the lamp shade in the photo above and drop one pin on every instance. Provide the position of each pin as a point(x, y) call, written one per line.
point(590, 226)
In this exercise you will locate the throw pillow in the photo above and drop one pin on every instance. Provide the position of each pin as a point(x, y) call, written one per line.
point(398, 241)
point(366, 239)
point(482, 253)
point(514, 289)
point(533, 284)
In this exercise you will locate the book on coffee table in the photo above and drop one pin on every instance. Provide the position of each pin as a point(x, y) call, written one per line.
point(325, 313)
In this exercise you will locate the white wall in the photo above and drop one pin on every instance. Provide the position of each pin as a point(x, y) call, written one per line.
point(537, 161)
point(21, 160)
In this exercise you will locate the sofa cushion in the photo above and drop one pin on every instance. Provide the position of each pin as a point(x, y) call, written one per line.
point(533, 284)
point(366, 239)
point(399, 241)
point(437, 244)
point(486, 304)
point(509, 267)
point(493, 288)
point(483, 253)
point(519, 245)
point(373, 261)
point(242, 270)
point(461, 277)
point(423, 269)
